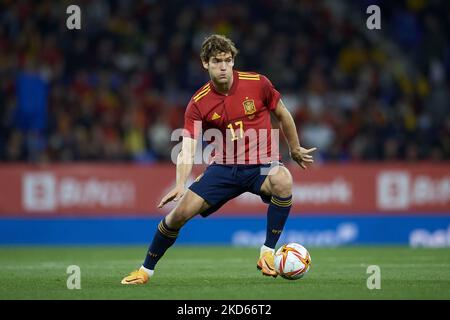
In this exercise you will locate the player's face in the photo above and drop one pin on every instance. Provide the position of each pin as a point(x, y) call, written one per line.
point(220, 67)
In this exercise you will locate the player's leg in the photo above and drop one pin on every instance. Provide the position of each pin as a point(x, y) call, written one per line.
point(278, 186)
point(190, 205)
point(206, 195)
point(166, 235)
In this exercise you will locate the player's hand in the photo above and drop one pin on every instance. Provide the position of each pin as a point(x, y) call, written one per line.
point(174, 195)
point(302, 156)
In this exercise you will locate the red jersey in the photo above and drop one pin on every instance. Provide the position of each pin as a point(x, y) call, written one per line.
point(241, 119)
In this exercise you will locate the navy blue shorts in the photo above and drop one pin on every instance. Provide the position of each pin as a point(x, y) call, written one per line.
point(221, 183)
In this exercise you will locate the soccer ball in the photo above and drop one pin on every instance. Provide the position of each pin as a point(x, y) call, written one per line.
point(292, 261)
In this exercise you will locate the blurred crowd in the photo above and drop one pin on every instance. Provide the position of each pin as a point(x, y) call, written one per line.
point(115, 90)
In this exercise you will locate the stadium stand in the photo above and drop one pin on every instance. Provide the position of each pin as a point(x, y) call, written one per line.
point(114, 90)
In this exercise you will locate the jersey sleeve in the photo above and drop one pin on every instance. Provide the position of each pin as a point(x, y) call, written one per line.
point(270, 95)
point(191, 117)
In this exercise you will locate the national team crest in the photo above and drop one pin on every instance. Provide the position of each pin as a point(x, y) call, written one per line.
point(249, 107)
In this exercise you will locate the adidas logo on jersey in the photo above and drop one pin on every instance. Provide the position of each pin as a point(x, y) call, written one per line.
point(215, 116)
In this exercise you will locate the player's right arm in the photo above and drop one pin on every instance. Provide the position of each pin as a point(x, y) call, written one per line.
point(185, 161)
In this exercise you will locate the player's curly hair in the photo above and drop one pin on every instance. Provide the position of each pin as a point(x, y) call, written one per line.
point(215, 44)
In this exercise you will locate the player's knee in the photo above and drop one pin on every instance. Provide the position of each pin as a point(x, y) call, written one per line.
point(175, 221)
point(281, 183)
point(178, 217)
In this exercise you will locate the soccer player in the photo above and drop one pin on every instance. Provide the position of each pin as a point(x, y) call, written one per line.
point(235, 103)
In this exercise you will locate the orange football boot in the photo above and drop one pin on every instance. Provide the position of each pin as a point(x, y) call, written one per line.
point(136, 277)
point(267, 265)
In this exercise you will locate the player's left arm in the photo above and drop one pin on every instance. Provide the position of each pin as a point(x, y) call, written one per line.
point(299, 154)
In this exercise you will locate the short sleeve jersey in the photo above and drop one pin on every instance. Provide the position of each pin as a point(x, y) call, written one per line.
point(237, 123)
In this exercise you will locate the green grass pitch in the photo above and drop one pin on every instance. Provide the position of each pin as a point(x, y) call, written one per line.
point(188, 272)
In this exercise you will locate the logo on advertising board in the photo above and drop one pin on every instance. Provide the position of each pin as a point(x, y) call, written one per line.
point(400, 190)
point(393, 190)
point(422, 237)
point(38, 191)
point(337, 191)
point(344, 233)
point(47, 192)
